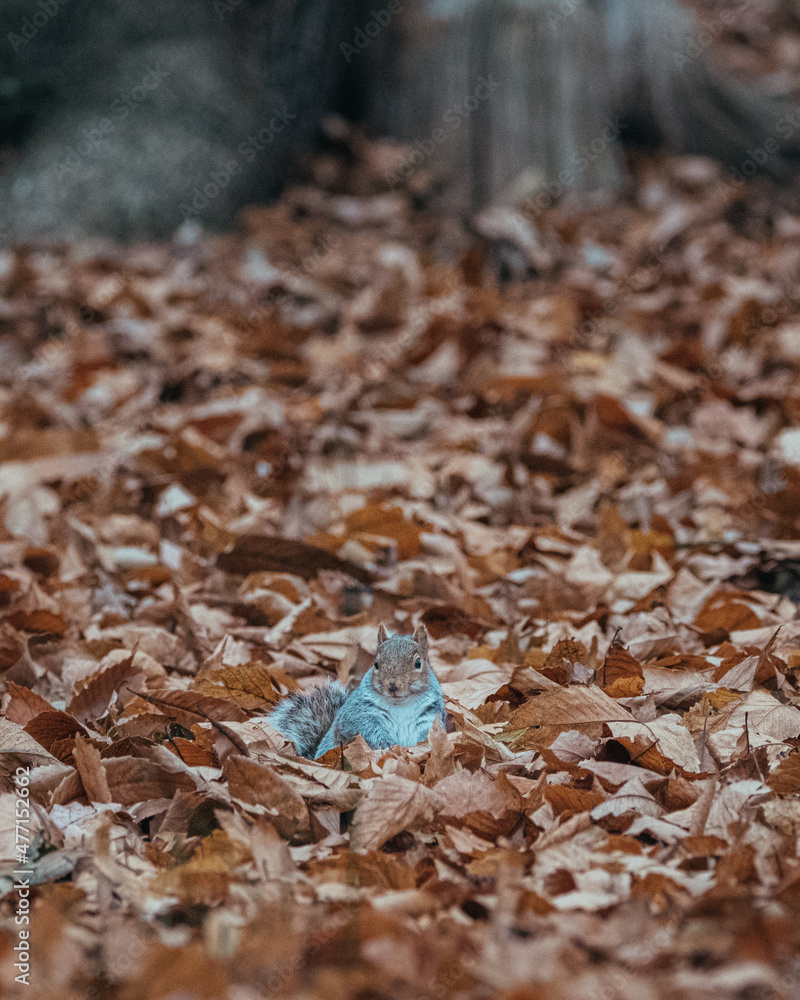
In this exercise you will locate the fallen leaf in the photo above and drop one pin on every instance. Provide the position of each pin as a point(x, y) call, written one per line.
point(24, 704)
point(621, 674)
point(55, 731)
point(260, 553)
point(391, 805)
point(39, 622)
point(93, 696)
point(249, 685)
point(569, 708)
point(260, 785)
point(92, 771)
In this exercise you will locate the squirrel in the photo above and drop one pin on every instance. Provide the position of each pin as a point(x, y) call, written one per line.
point(394, 705)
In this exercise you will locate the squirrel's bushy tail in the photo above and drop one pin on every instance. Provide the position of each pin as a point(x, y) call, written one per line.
point(305, 718)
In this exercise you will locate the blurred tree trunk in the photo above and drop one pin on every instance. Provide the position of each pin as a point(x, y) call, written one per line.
point(569, 80)
point(135, 116)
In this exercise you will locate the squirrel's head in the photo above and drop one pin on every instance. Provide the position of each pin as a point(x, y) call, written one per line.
point(401, 668)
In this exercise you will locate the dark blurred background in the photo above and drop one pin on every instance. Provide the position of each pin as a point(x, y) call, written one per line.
point(127, 118)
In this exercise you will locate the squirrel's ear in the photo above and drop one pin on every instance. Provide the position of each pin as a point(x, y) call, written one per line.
point(383, 635)
point(421, 636)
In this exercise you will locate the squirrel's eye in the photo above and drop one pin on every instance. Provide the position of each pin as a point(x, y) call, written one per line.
point(418, 664)
point(376, 665)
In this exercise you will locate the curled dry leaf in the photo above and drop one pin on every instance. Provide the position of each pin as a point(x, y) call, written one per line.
point(391, 805)
point(130, 780)
point(11, 647)
point(93, 696)
point(55, 731)
point(465, 792)
point(24, 704)
point(441, 762)
point(188, 707)
point(266, 553)
point(15, 741)
point(662, 745)
point(192, 752)
point(577, 707)
point(621, 674)
point(260, 785)
point(92, 771)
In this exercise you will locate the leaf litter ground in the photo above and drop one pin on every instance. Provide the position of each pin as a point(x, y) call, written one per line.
point(574, 455)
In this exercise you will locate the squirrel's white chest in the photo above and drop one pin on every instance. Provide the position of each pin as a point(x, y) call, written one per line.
point(407, 721)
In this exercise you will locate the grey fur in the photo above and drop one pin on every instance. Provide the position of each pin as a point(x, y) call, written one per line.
point(397, 700)
point(303, 718)
point(394, 705)
point(379, 721)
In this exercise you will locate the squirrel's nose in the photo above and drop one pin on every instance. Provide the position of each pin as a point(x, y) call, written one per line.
point(393, 688)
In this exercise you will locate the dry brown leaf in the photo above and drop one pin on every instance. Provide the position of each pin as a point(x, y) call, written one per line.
point(260, 553)
point(260, 785)
point(383, 519)
point(249, 685)
point(9, 589)
point(466, 842)
point(361, 757)
point(132, 780)
point(187, 707)
point(192, 752)
point(569, 801)
point(466, 792)
point(39, 622)
point(727, 610)
point(473, 681)
point(739, 676)
point(93, 696)
point(45, 562)
point(558, 665)
point(14, 739)
point(444, 620)
point(11, 647)
point(55, 731)
point(785, 778)
point(575, 707)
point(392, 804)
point(661, 745)
point(92, 771)
point(621, 674)
point(441, 763)
point(24, 704)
